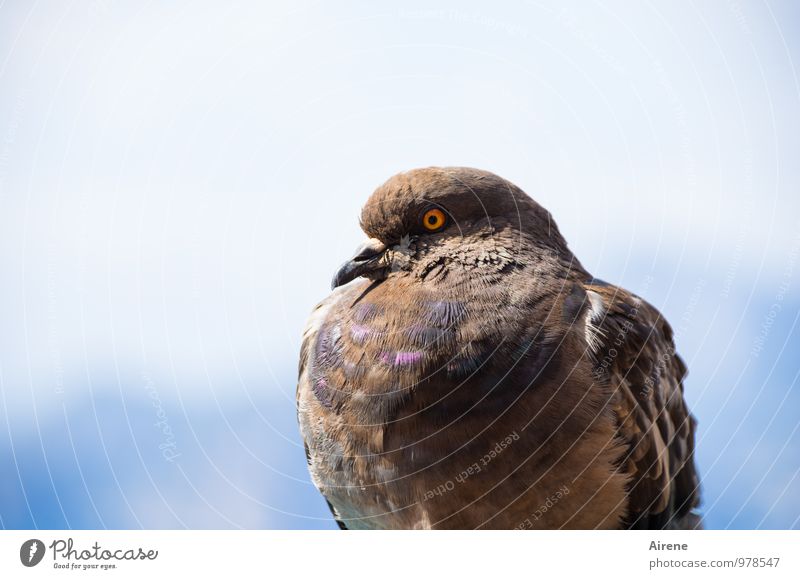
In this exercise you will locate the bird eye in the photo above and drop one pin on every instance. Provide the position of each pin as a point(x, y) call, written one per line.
point(434, 219)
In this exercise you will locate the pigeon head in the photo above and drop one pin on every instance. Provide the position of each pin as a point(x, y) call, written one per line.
point(430, 218)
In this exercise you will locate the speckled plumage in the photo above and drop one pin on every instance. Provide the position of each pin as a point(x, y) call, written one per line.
point(481, 378)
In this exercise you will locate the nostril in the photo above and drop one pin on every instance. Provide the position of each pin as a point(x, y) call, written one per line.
point(369, 250)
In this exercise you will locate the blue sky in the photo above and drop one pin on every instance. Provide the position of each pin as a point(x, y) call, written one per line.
point(179, 182)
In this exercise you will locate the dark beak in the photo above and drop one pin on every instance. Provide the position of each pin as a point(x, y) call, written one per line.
point(366, 260)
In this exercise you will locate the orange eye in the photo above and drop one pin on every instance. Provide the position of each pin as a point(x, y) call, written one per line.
point(434, 219)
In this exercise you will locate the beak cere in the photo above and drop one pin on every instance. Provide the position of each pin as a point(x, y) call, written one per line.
point(367, 259)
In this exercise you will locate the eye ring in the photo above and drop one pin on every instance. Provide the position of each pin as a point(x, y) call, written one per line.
point(434, 219)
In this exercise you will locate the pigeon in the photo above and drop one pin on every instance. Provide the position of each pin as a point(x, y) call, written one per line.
point(467, 372)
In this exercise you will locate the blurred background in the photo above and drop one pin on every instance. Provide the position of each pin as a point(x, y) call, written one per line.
point(179, 181)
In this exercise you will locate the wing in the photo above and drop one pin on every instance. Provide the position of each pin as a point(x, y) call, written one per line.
point(635, 353)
